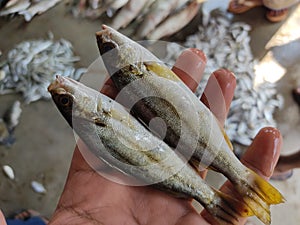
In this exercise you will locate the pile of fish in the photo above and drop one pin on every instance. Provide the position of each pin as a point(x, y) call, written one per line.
point(191, 133)
point(27, 8)
point(9, 122)
point(31, 66)
point(155, 18)
point(226, 45)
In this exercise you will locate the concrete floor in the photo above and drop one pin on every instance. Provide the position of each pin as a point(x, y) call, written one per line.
point(45, 143)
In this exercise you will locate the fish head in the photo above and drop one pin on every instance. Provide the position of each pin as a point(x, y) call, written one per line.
point(118, 51)
point(73, 99)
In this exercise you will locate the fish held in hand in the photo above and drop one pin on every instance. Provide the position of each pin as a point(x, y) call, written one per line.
point(116, 137)
point(127, 62)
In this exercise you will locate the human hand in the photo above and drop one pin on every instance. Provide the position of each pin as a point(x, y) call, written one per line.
point(89, 198)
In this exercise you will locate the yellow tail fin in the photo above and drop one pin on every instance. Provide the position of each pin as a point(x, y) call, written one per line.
point(227, 210)
point(265, 190)
point(259, 208)
point(259, 194)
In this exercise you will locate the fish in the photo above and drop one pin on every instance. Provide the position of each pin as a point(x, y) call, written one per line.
point(18, 6)
point(38, 9)
point(117, 138)
point(12, 115)
point(145, 10)
point(117, 4)
point(3, 3)
point(127, 13)
point(158, 12)
point(31, 65)
point(175, 22)
point(8, 171)
point(94, 9)
point(38, 187)
point(150, 89)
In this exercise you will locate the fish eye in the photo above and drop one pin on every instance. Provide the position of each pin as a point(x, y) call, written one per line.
point(65, 100)
point(108, 46)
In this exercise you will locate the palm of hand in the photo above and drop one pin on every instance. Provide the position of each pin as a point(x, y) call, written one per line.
point(92, 199)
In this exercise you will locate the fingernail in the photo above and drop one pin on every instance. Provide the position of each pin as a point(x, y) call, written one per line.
point(190, 66)
point(219, 92)
point(275, 142)
point(199, 53)
point(226, 80)
point(264, 152)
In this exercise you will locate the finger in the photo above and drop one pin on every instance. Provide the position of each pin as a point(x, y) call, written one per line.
point(218, 93)
point(190, 66)
point(266, 145)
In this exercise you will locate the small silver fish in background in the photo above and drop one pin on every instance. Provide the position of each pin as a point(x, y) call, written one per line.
point(8, 171)
point(159, 10)
point(27, 8)
point(12, 115)
point(117, 4)
point(38, 187)
point(14, 8)
point(166, 16)
point(130, 65)
point(8, 123)
point(38, 8)
point(113, 135)
point(128, 13)
point(226, 44)
point(175, 22)
point(31, 66)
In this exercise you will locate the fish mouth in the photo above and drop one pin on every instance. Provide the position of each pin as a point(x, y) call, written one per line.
point(57, 84)
point(104, 39)
point(60, 85)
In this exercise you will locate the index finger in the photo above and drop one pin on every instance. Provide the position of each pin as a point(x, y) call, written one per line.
point(189, 67)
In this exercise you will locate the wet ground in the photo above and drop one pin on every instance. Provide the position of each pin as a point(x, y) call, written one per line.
point(45, 143)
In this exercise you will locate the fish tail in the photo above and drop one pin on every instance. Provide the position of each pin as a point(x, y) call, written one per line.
point(259, 194)
point(227, 210)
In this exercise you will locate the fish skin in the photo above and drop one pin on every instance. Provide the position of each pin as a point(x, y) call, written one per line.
point(100, 119)
point(38, 9)
point(175, 22)
point(128, 62)
point(20, 5)
point(158, 12)
point(128, 13)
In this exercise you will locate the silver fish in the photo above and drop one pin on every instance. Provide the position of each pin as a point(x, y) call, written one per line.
point(175, 22)
point(31, 65)
point(158, 12)
point(8, 171)
point(18, 6)
point(152, 90)
point(117, 4)
point(12, 115)
point(38, 8)
point(113, 135)
point(38, 187)
point(128, 13)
